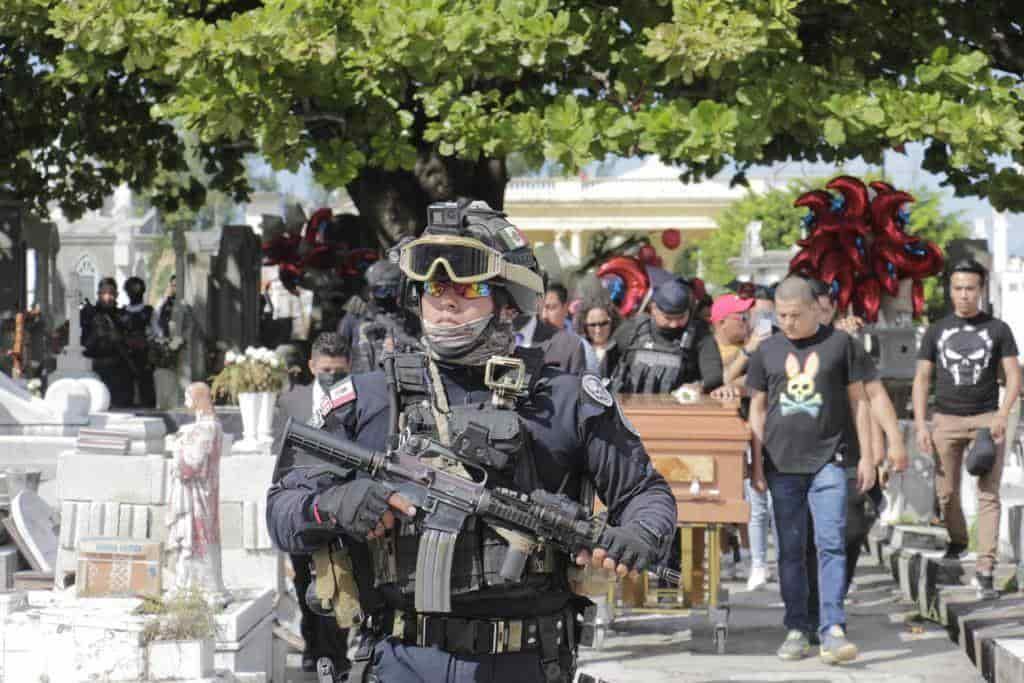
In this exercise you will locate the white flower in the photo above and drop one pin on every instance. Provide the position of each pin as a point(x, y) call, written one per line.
point(275, 363)
point(230, 357)
point(251, 351)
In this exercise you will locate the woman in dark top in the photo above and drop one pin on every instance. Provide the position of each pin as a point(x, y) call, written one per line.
point(596, 322)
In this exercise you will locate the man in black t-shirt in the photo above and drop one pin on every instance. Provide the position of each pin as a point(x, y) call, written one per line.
point(809, 417)
point(966, 349)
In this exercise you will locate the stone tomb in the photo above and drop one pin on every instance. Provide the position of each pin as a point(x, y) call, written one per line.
point(102, 639)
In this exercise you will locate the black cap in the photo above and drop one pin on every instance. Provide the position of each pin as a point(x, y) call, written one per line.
point(673, 297)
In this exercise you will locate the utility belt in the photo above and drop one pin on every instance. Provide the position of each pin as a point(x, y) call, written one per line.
point(470, 637)
point(552, 637)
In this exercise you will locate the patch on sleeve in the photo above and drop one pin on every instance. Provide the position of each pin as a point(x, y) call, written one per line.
point(595, 389)
point(341, 393)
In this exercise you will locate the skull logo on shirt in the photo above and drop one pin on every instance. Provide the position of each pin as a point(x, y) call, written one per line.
point(965, 352)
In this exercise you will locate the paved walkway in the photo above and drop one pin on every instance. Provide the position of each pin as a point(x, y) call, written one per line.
point(659, 649)
point(653, 649)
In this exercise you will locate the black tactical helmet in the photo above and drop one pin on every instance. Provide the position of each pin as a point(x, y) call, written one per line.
point(383, 273)
point(468, 241)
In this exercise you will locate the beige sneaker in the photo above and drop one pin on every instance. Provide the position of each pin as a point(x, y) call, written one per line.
point(835, 648)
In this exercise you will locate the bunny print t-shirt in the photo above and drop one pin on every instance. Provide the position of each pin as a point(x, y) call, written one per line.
point(967, 353)
point(809, 422)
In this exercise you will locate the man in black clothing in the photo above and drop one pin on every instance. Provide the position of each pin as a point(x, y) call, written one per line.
point(534, 427)
point(104, 342)
point(328, 364)
point(383, 327)
point(660, 351)
point(137, 321)
point(967, 350)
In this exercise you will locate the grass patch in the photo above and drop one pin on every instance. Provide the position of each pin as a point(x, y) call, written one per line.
point(185, 615)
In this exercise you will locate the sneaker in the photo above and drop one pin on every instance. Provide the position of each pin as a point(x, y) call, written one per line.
point(796, 646)
point(835, 648)
point(984, 584)
point(954, 551)
point(758, 578)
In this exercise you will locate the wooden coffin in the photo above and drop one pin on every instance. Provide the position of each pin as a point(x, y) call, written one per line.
point(704, 441)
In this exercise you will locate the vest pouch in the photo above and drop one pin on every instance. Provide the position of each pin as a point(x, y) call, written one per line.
point(335, 584)
point(489, 437)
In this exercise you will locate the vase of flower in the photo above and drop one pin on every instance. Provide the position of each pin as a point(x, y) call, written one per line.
point(249, 407)
point(265, 423)
point(253, 380)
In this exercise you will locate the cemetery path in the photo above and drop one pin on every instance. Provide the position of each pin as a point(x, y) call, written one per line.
point(680, 649)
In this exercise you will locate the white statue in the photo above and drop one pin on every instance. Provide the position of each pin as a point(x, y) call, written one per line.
point(193, 528)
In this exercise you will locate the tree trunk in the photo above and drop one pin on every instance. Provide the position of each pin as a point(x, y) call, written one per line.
point(393, 204)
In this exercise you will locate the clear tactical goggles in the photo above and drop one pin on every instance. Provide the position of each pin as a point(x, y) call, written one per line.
point(464, 260)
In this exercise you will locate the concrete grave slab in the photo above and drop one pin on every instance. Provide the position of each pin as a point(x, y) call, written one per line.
point(34, 520)
point(9, 559)
point(921, 537)
point(983, 641)
point(246, 610)
point(231, 526)
point(252, 654)
point(136, 480)
point(67, 524)
point(1009, 660)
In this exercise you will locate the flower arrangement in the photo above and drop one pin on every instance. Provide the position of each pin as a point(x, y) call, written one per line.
point(255, 370)
point(164, 351)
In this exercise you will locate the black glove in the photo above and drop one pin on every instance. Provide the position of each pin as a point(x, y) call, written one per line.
point(357, 506)
point(632, 545)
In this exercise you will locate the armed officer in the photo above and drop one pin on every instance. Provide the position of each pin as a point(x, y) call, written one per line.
point(523, 425)
point(661, 351)
point(383, 327)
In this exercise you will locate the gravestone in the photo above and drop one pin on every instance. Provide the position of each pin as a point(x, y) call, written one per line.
point(34, 522)
point(233, 301)
point(71, 362)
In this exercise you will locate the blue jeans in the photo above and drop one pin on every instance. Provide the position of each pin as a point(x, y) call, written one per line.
point(824, 493)
point(760, 519)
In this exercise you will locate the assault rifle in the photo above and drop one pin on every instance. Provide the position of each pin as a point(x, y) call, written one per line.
point(444, 500)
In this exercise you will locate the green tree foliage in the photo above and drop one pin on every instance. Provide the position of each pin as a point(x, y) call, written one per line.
point(781, 225)
point(409, 101)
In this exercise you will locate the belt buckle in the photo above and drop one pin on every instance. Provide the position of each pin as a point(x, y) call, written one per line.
point(499, 637)
point(421, 630)
point(515, 636)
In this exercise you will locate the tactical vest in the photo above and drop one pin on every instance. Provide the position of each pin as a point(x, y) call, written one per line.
point(493, 440)
point(652, 365)
point(136, 328)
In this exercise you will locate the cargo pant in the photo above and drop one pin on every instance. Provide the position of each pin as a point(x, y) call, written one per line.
point(951, 435)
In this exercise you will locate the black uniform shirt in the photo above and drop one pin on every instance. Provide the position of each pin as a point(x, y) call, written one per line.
point(571, 432)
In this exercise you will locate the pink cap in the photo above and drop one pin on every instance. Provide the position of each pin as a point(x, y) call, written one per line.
point(727, 304)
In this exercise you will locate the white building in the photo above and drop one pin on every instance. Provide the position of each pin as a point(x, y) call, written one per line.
point(112, 241)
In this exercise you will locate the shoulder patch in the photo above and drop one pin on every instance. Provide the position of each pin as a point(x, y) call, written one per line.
point(341, 393)
point(595, 389)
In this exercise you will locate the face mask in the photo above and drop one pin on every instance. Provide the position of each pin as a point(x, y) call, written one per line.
point(451, 337)
point(672, 333)
point(329, 379)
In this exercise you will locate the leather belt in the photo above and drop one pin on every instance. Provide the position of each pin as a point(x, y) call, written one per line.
point(466, 636)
